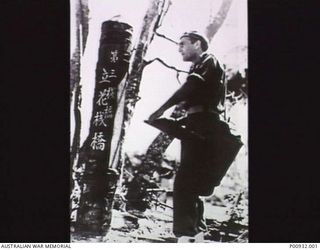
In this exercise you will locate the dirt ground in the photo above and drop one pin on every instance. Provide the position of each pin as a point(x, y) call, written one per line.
point(226, 213)
point(155, 225)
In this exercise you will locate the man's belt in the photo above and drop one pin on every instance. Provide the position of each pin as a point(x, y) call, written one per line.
point(201, 108)
point(175, 128)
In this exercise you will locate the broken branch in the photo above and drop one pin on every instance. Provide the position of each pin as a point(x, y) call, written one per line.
point(163, 36)
point(165, 64)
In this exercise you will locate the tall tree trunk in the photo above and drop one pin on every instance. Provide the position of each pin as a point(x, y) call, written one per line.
point(151, 22)
point(82, 22)
point(82, 29)
point(162, 141)
point(218, 20)
point(97, 181)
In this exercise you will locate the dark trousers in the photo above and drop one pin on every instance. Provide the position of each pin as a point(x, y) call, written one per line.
point(188, 208)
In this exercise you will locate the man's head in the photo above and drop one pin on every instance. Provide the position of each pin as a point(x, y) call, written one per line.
point(191, 46)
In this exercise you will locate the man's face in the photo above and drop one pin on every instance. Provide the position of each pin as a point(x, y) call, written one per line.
point(187, 50)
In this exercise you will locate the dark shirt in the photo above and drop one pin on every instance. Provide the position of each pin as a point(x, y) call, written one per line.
point(204, 85)
point(207, 78)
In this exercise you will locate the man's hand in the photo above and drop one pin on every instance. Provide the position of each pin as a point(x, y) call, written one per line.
point(156, 115)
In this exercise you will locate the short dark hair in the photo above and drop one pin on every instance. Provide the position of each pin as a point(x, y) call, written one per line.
point(195, 36)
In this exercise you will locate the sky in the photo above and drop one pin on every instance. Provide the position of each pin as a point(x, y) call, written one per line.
point(159, 83)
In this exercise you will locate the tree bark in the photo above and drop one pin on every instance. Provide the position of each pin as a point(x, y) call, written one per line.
point(151, 22)
point(82, 28)
point(84, 21)
point(218, 20)
point(97, 181)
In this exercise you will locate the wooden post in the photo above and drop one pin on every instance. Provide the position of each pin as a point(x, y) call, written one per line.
point(98, 180)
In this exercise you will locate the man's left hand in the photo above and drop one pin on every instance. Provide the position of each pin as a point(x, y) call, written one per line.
point(155, 115)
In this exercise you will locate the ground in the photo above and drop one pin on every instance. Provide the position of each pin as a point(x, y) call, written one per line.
point(155, 225)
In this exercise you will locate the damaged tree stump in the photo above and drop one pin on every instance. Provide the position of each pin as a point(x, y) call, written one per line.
point(98, 180)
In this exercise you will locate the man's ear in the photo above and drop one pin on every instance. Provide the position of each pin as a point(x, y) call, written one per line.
point(197, 44)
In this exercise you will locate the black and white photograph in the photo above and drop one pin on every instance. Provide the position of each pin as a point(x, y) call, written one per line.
point(159, 121)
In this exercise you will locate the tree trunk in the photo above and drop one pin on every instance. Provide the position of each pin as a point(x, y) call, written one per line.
point(82, 28)
point(82, 22)
point(218, 20)
point(97, 181)
point(151, 22)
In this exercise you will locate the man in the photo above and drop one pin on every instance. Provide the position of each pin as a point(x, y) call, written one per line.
point(202, 95)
